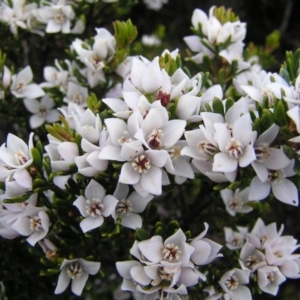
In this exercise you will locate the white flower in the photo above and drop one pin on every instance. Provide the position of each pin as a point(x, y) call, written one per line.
point(78, 270)
point(41, 111)
point(268, 157)
point(150, 40)
point(214, 35)
point(283, 189)
point(233, 283)
point(173, 250)
point(236, 202)
point(21, 86)
point(206, 250)
point(250, 258)
point(54, 76)
point(155, 4)
point(35, 224)
point(94, 206)
point(235, 240)
point(16, 154)
point(235, 145)
point(269, 278)
point(261, 234)
point(128, 207)
point(76, 94)
point(57, 17)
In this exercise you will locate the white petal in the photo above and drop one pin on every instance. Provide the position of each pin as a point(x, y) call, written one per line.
point(248, 156)
point(78, 284)
point(91, 267)
point(36, 121)
point(286, 192)
point(23, 178)
point(261, 170)
point(94, 190)
point(90, 223)
point(224, 163)
point(152, 250)
point(152, 78)
point(259, 190)
point(152, 181)
point(128, 175)
point(63, 281)
point(132, 221)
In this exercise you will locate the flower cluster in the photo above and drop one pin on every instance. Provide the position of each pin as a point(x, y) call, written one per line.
point(133, 143)
point(166, 269)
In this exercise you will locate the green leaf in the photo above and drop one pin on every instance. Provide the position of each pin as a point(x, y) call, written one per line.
point(159, 231)
point(37, 158)
point(229, 103)
point(234, 185)
point(141, 234)
point(280, 114)
point(22, 198)
point(172, 227)
point(289, 152)
point(218, 106)
point(220, 186)
point(49, 272)
point(285, 74)
point(267, 120)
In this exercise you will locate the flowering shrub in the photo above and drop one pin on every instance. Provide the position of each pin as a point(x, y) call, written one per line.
point(129, 158)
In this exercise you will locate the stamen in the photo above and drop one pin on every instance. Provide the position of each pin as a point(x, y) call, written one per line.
point(234, 148)
point(141, 164)
point(124, 207)
point(251, 261)
point(153, 139)
point(35, 224)
point(74, 270)
point(94, 207)
point(206, 147)
point(275, 176)
point(171, 252)
point(262, 153)
point(232, 283)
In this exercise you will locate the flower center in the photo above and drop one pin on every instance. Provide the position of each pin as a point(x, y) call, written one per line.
point(42, 111)
point(125, 139)
point(164, 275)
point(251, 261)
point(234, 148)
point(141, 164)
point(153, 140)
point(207, 148)
point(236, 204)
point(74, 270)
point(237, 242)
point(164, 98)
point(96, 62)
point(175, 152)
point(268, 94)
point(262, 153)
point(78, 99)
point(171, 252)
point(263, 238)
point(124, 207)
point(35, 224)
point(20, 86)
point(94, 207)
point(20, 157)
point(271, 277)
point(60, 18)
point(232, 283)
point(275, 176)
